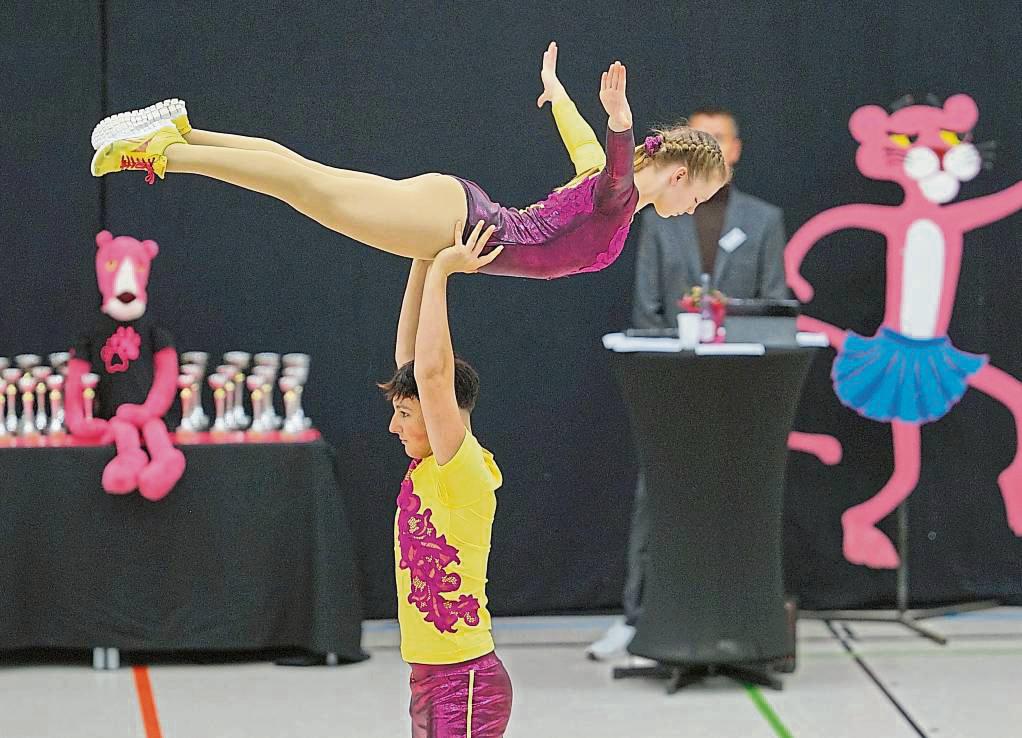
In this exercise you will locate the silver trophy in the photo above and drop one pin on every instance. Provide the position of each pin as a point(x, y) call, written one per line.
point(228, 373)
point(294, 419)
point(267, 358)
point(11, 378)
point(59, 361)
point(300, 360)
point(89, 383)
point(27, 362)
point(257, 391)
point(40, 374)
point(197, 418)
point(186, 385)
point(26, 385)
point(239, 360)
point(199, 358)
point(268, 375)
point(55, 384)
point(218, 383)
point(301, 375)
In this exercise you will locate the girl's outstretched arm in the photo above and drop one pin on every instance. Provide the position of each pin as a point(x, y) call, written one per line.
point(579, 138)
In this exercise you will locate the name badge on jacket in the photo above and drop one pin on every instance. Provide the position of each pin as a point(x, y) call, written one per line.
point(732, 239)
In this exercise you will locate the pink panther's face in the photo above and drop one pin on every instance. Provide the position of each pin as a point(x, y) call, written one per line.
point(919, 146)
point(122, 271)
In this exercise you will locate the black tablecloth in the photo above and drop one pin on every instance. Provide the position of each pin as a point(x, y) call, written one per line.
point(711, 435)
point(251, 550)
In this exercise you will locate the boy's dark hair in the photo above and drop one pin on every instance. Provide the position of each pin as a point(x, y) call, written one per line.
point(466, 384)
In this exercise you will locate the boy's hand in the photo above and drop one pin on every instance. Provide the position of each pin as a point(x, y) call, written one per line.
point(466, 257)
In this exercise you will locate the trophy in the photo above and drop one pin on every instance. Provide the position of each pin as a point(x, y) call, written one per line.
point(267, 358)
point(26, 385)
point(239, 360)
point(218, 383)
point(27, 362)
point(89, 383)
point(55, 383)
point(228, 373)
point(299, 360)
point(257, 389)
point(40, 374)
point(268, 375)
point(301, 375)
point(198, 420)
point(186, 384)
point(59, 361)
point(11, 377)
point(199, 358)
point(294, 419)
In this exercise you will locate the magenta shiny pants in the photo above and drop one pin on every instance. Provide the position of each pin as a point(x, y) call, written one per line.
point(467, 700)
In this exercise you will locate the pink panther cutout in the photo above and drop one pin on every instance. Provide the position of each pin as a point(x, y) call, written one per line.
point(427, 556)
point(909, 373)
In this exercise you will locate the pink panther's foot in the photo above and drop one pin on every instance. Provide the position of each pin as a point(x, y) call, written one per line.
point(865, 544)
point(157, 479)
point(121, 475)
point(1010, 482)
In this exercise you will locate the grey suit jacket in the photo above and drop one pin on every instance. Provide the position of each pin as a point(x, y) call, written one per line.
point(668, 262)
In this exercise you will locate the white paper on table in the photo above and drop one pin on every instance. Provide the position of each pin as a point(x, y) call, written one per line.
point(730, 349)
point(807, 338)
point(621, 343)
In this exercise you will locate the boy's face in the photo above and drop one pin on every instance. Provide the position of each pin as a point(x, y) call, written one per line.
point(408, 425)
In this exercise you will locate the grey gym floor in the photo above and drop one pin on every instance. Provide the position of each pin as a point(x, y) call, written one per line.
point(853, 679)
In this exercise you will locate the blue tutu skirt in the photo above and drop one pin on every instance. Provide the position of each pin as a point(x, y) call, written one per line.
point(894, 377)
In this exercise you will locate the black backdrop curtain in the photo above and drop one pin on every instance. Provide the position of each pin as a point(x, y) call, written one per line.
point(399, 89)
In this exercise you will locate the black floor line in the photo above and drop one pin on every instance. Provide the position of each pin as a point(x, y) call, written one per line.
point(876, 680)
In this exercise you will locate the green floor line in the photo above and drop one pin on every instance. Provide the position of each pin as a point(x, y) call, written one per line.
point(766, 711)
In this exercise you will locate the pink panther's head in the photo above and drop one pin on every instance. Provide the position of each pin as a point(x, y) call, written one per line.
point(122, 271)
point(920, 146)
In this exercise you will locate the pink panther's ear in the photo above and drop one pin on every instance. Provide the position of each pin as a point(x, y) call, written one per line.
point(103, 238)
point(868, 122)
point(962, 112)
point(151, 248)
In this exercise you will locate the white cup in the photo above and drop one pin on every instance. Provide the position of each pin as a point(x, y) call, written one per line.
point(688, 330)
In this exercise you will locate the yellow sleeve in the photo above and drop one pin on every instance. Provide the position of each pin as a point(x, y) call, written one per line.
point(580, 141)
point(469, 475)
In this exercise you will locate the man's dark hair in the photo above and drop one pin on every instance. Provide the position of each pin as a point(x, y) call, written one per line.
point(466, 384)
point(712, 111)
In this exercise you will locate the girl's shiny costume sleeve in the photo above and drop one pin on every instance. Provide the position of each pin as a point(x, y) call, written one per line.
point(615, 185)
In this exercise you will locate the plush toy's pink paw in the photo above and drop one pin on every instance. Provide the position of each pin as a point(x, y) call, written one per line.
point(121, 475)
point(157, 479)
point(1010, 482)
point(864, 544)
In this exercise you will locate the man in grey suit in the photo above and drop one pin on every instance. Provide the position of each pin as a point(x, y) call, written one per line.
point(736, 238)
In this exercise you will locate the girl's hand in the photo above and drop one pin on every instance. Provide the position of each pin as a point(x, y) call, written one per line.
point(553, 90)
point(612, 95)
point(466, 257)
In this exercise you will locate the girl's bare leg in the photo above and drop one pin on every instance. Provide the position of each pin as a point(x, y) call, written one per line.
point(251, 143)
point(409, 217)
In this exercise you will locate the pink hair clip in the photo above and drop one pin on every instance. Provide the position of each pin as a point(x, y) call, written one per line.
point(653, 144)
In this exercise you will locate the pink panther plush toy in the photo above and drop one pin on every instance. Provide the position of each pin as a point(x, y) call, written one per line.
point(138, 367)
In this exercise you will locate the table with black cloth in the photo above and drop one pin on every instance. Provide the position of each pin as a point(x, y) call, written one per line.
point(250, 551)
point(711, 435)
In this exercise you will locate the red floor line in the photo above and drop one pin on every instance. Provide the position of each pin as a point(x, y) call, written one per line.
point(146, 702)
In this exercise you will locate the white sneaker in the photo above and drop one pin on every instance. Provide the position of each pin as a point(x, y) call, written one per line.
point(139, 122)
point(613, 643)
